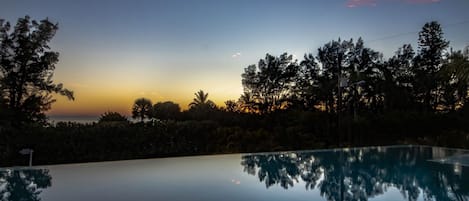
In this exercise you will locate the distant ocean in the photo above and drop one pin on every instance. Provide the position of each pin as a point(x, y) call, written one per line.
point(76, 119)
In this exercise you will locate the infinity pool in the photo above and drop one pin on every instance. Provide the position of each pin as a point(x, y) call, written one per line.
point(374, 173)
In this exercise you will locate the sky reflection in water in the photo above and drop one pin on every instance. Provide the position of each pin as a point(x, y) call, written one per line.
point(379, 173)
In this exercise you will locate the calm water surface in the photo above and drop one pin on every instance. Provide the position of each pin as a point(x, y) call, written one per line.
point(377, 173)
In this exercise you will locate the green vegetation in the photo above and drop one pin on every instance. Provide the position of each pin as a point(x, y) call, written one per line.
point(345, 95)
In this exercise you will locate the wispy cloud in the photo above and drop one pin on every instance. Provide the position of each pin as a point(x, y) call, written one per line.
point(361, 3)
point(358, 3)
point(236, 55)
point(421, 1)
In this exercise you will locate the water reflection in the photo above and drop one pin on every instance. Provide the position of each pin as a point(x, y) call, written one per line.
point(361, 174)
point(24, 185)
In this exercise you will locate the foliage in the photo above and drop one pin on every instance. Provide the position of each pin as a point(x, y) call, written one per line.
point(398, 80)
point(428, 63)
point(231, 106)
point(26, 69)
point(201, 108)
point(142, 109)
point(270, 82)
point(166, 110)
point(226, 132)
point(201, 101)
point(455, 81)
point(349, 78)
point(112, 117)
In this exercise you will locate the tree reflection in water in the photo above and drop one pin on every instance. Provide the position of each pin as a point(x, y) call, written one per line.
point(365, 173)
point(23, 184)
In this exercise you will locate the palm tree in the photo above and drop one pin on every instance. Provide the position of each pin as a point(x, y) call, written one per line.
point(201, 100)
point(142, 109)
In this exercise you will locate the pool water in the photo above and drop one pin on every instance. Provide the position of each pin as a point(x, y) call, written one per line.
point(373, 173)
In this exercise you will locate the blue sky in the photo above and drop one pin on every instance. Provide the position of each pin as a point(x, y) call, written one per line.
point(112, 52)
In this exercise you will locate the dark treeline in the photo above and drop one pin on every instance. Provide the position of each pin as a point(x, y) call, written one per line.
point(344, 95)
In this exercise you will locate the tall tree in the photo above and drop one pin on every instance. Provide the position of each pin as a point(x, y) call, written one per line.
point(271, 81)
point(307, 83)
point(142, 109)
point(363, 75)
point(346, 63)
point(26, 68)
point(398, 79)
point(333, 58)
point(455, 81)
point(432, 47)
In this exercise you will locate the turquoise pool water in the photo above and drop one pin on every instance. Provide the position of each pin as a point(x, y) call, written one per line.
point(374, 173)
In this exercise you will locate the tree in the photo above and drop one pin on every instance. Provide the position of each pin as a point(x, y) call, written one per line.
point(455, 81)
point(112, 117)
point(271, 82)
point(27, 67)
point(307, 83)
point(166, 110)
point(231, 106)
point(246, 103)
point(398, 78)
point(201, 101)
point(364, 76)
point(201, 108)
point(428, 62)
point(333, 59)
point(142, 109)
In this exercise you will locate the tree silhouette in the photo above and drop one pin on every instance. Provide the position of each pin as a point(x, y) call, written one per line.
point(142, 109)
point(231, 106)
point(270, 82)
point(247, 103)
point(455, 80)
point(428, 62)
point(27, 67)
point(201, 101)
point(166, 110)
point(308, 83)
point(112, 117)
point(363, 75)
point(398, 78)
point(333, 57)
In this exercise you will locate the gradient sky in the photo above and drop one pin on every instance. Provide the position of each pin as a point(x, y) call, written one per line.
point(112, 52)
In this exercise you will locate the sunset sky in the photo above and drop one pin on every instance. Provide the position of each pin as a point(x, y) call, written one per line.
point(112, 52)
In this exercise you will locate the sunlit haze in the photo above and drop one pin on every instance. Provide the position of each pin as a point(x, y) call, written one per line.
point(112, 52)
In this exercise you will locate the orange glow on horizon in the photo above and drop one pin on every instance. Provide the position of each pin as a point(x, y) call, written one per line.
point(95, 103)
